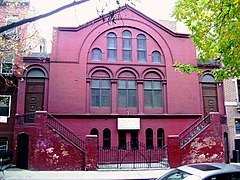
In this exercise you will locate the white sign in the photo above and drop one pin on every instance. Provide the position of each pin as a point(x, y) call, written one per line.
point(128, 123)
point(3, 119)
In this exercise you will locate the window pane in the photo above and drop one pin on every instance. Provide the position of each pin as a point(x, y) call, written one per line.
point(131, 84)
point(112, 43)
point(237, 125)
point(127, 55)
point(131, 98)
point(156, 84)
point(96, 54)
point(95, 83)
point(122, 84)
point(122, 98)
point(156, 57)
point(95, 97)
point(105, 100)
point(111, 40)
point(157, 99)
point(147, 98)
point(208, 78)
point(5, 106)
point(141, 56)
point(112, 54)
point(147, 84)
point(127, 43)
point(105, 83)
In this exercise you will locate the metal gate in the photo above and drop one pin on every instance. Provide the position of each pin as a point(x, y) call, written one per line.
point(129, 157)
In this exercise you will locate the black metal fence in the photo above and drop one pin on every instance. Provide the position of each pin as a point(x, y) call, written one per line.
point(132, 158)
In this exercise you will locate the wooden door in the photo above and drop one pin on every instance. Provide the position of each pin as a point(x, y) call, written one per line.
point(34, 99)
point(210, 98)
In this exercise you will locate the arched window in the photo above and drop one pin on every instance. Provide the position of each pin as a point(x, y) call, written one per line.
point(127, 92)
point(160, 138)
point(96, 54)
point(106, 138)
point(94, 131)
point(149, 138)
point(156, 57)
point(141, 48)
point(127, 46)
point(111, 47)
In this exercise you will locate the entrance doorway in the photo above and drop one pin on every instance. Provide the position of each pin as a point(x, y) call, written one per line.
point(34, 97)
point(22, 151)
point(209, 92)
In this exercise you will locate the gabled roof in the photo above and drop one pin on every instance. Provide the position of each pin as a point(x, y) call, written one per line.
point(126, 7)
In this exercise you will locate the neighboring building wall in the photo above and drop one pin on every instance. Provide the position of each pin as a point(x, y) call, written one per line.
point(231, 101)
point(8, 81)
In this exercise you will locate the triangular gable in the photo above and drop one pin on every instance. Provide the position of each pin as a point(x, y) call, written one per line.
point(119, 10)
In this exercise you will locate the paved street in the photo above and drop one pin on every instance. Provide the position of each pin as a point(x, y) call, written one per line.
point(16, 174)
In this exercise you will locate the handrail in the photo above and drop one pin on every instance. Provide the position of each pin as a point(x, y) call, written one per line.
point(196, 127)
point(64, 131)
point(26, 118)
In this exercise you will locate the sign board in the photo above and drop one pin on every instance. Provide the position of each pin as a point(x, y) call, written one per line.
point(128, 123)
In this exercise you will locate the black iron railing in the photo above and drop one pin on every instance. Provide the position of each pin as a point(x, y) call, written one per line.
point(194, 129)
point(65, 132)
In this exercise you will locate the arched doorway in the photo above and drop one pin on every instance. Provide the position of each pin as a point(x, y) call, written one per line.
point(209, 93)
point(22, 151)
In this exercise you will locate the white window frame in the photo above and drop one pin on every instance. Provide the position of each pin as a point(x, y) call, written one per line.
point(9, 106)
point(7, 60)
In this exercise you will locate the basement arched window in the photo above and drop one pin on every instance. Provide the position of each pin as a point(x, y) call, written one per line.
point(160, 138)
point(106, 138)
point(149, 138)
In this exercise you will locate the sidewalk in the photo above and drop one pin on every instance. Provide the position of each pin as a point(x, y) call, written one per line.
point(16, 174)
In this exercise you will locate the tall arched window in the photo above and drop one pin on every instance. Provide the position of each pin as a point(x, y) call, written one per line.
point(111, 47)
point(156, 57)
point(209, 93)
point(127, 92)
point(100, 89)
point(141, 48)
point(149, 138)
point(96, 54)
point(160, 138)
point(127, 46)
point(106, 138)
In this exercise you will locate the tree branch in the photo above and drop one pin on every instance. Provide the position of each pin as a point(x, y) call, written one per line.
point(28, 20)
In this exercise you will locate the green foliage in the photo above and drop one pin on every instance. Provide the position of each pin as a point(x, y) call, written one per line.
point(215, 30)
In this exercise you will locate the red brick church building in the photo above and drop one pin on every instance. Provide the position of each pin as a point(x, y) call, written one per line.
point(116, 81)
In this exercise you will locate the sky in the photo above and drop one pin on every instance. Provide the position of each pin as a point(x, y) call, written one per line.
point(82, 13)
